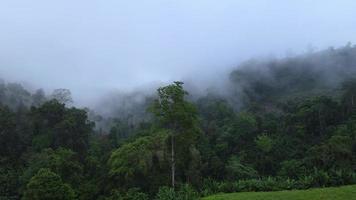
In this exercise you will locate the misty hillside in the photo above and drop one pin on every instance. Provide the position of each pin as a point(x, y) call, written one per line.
point(280, 124)
point(265, 82)
point(176, 100)
point(319, 73)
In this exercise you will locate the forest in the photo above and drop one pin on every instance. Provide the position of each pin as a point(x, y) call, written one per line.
point(279, 124)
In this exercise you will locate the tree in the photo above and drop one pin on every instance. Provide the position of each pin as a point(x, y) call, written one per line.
point(236, 170)
point(318, 112)
point(131, 194)
point(57, 126)
point(62, 95)
point(73, 131)
point(349, 96)
point(177, 115)
point(264, 161)
point(10, 139)
point(134, 164)
point(63, 162)
point(335, 153)
point(46, 185)
point(215, 109)
point(292, 169)
point(17, 96)
point(241, 133)
point(9, 182)
point(38, 98)
point(118, 132)
point(264, 143)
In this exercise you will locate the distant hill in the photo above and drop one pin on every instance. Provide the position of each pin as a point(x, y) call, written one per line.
point(270, 81)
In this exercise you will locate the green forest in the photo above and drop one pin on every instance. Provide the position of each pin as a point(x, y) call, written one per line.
point(278, 124)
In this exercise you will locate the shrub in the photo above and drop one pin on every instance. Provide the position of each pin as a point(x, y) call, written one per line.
point(185, 192)
point(236, 170)
point(209, 187)
point(292, 169)
point(304, 182)
point(131, 194)
point(320, 178)
point(165, 193)
point(341, 177)
point(135, 194)
point(288, 184)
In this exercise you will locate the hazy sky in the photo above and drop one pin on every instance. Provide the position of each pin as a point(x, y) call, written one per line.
point(96, 45)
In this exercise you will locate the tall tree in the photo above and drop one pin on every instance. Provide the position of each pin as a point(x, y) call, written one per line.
point(178, 116)
point(349, 97)
point(10, 139)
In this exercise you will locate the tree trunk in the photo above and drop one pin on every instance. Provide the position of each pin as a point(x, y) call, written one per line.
point(320, 123)
point(173, 164)
point(352, 100)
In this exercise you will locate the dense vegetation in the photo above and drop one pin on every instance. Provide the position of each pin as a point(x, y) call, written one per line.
point(285, 124)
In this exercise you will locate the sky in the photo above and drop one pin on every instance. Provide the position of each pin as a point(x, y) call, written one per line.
point(93, 46)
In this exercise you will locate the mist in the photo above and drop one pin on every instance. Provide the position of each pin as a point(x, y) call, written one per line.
point(95, 48)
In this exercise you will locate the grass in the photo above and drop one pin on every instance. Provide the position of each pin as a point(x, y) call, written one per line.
point(334, 193)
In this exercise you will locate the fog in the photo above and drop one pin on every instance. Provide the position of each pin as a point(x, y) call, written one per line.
point(97, 47)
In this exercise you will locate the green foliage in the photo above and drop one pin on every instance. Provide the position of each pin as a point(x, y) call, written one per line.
point(166, 193)
point(11, 142)
point(60, 161)
point(336, 152)
point(177, 115)
point(185, 192)
point(245, 125)
point(133, 161)
point(318, 112)
point(119, 131)
point(131, 194)
point(173, 113)
point(318, 178)
point(349, 96)
point(209, 187)
point(236, 170)
point(282, 130)
point(172, 110)
point(215, 110)
point(57, 126)
point(292, 169)
point(9, 183)
point(264, 143)
point(47, 185)
point(42, 141)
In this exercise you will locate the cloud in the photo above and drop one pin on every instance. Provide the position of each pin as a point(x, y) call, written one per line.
point(92, 47)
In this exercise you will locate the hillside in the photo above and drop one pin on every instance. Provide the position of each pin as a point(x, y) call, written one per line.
point(279, 125)
point(273, 81)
